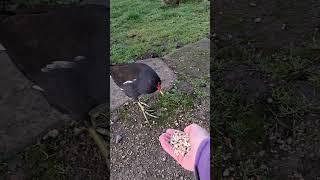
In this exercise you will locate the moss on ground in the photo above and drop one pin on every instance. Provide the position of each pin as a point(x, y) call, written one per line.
point(244, 126)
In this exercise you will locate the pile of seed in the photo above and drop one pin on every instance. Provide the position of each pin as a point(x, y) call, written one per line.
point(180, 142)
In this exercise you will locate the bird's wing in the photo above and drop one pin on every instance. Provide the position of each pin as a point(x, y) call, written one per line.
point(123, 74)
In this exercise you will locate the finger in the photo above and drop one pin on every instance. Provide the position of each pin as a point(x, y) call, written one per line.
point(164, 137)
point(170, 131)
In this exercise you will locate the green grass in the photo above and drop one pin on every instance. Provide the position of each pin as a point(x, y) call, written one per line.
point(41, 162)
point(247, 124)
point(174, 99)
point(138, 27)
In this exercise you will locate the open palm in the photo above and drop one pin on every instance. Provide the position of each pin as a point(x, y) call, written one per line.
point(196, 133)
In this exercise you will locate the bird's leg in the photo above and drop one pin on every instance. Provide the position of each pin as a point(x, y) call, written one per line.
point(148, 110)
point(103, 146)
point(144, 111)
point(144, 104)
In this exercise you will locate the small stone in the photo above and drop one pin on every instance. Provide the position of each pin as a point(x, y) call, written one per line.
point(283, 27)
point(77, 131)
point(36, 87)
point(144, 172)
point(270, 100)
point(178, 45)
point(257, 20)
point(203, 85)
point(181, 178)
point(253, 4)
point(226, 172)
point(118, 138)
point(164, 159)
point(79, 58)
point(52, 134)
point(261, 153)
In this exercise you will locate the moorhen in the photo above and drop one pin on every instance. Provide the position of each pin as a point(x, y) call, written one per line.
point(136, 79)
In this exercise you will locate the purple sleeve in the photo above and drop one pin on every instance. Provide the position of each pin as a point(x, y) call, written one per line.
point(202, 166)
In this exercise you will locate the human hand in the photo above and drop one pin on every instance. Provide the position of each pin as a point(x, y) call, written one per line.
point(196, 133)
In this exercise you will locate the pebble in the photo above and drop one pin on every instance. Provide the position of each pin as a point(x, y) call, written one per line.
point(253, 4)
point(270, 100)
point(283, 27)
point(77, 131)
point(118, 138)
point(226, 172)
point(261, 153)
point(164, 159)
point(257, 20)
point(52, 134)
point(36, 87)
point(79, 58)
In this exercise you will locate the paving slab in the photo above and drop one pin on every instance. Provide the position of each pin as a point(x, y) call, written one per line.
point(167, 76)
point(192, 60)
point(24, 112)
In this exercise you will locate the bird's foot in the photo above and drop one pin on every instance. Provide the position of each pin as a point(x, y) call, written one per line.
point(142, 103)
point(148, 112)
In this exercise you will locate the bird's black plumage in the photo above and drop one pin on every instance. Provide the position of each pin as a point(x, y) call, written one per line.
point(135, 79)
point(36, 41)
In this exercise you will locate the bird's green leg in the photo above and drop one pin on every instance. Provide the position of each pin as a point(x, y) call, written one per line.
point(95, 136)
point(144, 111)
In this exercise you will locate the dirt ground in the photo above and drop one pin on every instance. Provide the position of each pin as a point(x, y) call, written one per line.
point(140, 155)
point(265, 79)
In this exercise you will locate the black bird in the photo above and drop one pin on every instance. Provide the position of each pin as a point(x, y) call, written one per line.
point(136, 79)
